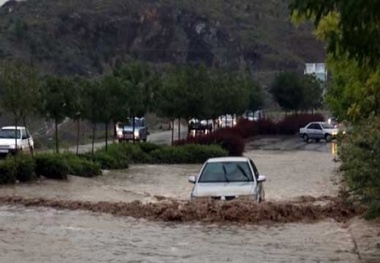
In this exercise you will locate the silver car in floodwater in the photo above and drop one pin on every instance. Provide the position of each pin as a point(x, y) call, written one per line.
point(228, 178)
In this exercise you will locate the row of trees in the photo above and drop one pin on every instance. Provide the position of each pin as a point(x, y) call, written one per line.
point(295, 92)
point(132, 90)
point(350, 29)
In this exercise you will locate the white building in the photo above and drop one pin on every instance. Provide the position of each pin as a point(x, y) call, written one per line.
point(319, 70)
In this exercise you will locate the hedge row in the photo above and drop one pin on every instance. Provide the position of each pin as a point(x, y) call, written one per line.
point(118, 156)
point(24, 168)
point(232, 138)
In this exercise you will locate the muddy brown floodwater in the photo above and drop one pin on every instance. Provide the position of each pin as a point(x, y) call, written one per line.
point(296, 178)
point(47, 235)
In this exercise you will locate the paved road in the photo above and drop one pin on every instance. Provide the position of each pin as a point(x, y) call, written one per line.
point(163, 137)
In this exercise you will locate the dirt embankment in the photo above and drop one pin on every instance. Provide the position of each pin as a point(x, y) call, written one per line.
point(307, 209)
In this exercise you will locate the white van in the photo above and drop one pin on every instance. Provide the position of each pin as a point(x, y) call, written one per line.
point(9, 137)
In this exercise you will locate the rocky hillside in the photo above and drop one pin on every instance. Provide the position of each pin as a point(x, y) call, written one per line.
point(88, 37)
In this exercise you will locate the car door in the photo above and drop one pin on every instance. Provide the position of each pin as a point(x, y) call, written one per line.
point(310, 130)
point(318, 131)
point(24, 139)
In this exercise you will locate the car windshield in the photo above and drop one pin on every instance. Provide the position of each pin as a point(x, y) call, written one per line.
point(226, 172)
point(9, 134)
point(138, 122)
point(327, 126)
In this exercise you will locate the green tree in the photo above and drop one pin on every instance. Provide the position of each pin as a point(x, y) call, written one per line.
point(137, 81)
point(19, 90)
point(287, 91)
point(312, 91)
point(358, 28)
point(93, 92)
point(112, 90)
point(57, 101)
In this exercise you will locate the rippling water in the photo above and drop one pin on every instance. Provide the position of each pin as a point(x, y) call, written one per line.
point(47, 235)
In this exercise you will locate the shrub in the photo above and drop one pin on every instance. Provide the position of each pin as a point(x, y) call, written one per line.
point(170, 155)
point(129, 152)
point(227, 138)
point(116, 157)
point(136, 154)
point(106, 161)
point(290, 125)
point(190, 153)
point(359, 152)
point(148, 147)
point(25, 167)
point(81, 167)
point(200, 153)
point(247, 128)
point(7, 172)
point(20, 167)
point(53, 166)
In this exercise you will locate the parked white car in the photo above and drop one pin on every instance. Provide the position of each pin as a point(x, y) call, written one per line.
point(227, 178)
point(318, 131)
point(253, 116)
point(9, 136)
point(226, 121)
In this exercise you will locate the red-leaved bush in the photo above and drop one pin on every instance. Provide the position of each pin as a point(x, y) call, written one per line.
point(232, 138)
point(290, 124)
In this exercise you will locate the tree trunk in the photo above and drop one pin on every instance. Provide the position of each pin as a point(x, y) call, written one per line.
point(30, 147)
point(172, 122)
point(114, 130)
point(106, 136)
point(56, 135)
point(133, 128)
point(179, 128)
point(16, 123)
point(93, 140)
point(78, 135)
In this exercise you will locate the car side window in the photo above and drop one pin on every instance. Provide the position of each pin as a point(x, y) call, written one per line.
point(311, 126)
point(254, 168)
point(318, 126)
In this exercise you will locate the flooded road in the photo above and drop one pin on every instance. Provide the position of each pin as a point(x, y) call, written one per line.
point(293, 169)
point(288, 176)
point(46, 235)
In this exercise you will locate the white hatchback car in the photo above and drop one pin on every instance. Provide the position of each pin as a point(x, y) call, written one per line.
point(12, 141)
point(227, 178)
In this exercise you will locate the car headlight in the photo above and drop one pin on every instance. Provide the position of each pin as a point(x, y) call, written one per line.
point(334, 133)
point(119, 133)
point(13, 146)
point(137, 134)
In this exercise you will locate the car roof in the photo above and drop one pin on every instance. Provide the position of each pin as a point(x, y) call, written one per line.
point(12, 127)
point(318, 122)
point(227, 159)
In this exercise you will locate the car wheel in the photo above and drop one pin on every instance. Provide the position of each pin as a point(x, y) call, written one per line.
point(317, 140)
point(328, 138)
point(144, 140)
point(305, 138)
